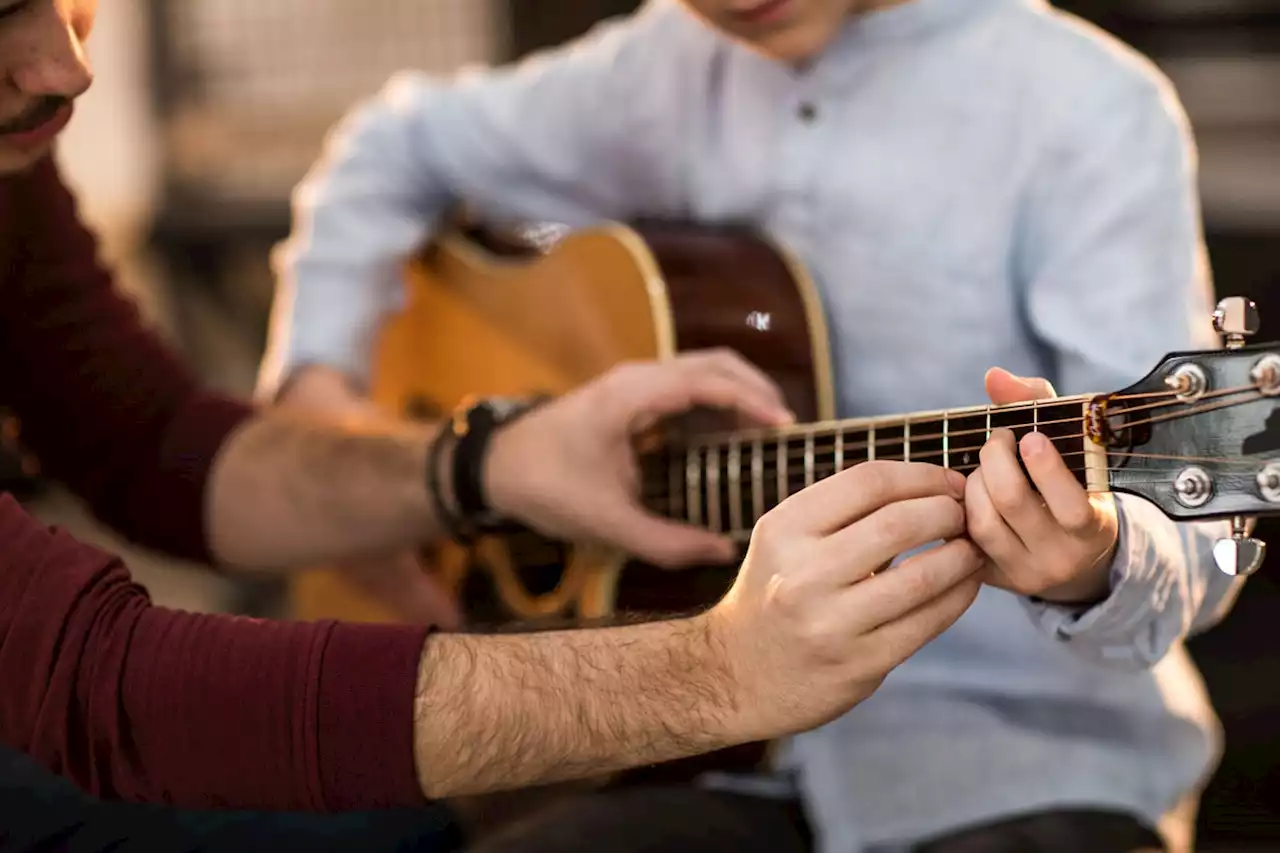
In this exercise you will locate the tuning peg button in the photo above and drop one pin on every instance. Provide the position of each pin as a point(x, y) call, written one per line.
point(1239, 557)
point(1242, 554)
point(1237, 318)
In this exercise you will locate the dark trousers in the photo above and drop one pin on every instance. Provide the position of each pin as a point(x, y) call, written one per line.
point(43, 812)
point(689, 820)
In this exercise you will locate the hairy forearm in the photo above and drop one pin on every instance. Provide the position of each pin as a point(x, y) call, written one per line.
point(295, 489)
point(501, 712)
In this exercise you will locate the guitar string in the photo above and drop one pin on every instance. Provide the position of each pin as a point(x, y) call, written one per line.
point(832, 428)
point(748, 513)
point(827, 469)
point(703, 444)
point(823, 471)
point(930, 454)
point(665, 504)
point(670, 498)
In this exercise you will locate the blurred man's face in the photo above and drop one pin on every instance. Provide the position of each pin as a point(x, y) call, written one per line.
point(790, 31)
point(42, 70)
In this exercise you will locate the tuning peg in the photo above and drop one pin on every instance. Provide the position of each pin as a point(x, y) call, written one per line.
point(1236, 318)
point(1241, 555)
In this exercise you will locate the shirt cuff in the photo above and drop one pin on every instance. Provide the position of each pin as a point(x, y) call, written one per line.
point(368, 685)
point(1141, 577)
point(330, 315)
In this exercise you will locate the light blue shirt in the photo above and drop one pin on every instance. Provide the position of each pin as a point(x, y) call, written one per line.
point(979, 183)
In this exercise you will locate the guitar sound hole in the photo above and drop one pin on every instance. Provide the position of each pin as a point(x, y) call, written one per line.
point(539, 565)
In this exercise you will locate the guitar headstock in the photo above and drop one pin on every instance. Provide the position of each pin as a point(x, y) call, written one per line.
point(1199, 436)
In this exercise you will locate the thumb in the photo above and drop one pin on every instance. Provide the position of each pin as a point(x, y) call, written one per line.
point(1004, 388)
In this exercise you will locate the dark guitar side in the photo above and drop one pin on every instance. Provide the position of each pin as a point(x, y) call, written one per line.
point(729, 288)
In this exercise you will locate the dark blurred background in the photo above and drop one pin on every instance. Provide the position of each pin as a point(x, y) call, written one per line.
point(216, 107)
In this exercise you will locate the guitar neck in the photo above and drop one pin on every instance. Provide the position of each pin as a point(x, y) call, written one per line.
point(726, 481)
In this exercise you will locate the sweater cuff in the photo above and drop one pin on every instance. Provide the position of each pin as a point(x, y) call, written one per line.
point(192, 443)
point(368, 682)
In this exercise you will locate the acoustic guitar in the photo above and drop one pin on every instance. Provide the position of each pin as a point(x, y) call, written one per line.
point(1199, 436)
point(491, 315)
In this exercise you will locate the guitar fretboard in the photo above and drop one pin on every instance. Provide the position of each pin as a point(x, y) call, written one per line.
point(725, 483)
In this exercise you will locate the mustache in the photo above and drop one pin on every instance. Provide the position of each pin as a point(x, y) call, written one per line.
point(39, 113)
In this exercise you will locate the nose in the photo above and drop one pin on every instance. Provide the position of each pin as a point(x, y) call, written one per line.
point(55, 62)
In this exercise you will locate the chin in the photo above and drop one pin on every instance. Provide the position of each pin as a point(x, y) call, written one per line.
point(791, 48)
point(13, 160)
point(795, 45)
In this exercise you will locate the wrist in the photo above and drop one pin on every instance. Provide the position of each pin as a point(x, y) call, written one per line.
point(1090, 588)
point(503, 483)
point(712, 634)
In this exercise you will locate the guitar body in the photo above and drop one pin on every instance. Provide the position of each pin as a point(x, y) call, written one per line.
point(490, 317)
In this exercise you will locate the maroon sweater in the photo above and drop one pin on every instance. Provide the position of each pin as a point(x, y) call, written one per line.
point(130, 700)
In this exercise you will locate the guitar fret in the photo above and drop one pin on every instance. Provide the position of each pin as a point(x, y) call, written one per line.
point(700, 495)
point(693, 480)
point(946, 441)
point(735, 486)
point(713, 489)
point(783, 473)
point(757, 480)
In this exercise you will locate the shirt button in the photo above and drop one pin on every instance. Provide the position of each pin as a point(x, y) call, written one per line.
point(807, 112)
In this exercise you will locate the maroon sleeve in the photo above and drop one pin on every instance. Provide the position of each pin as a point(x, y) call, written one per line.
point(140, 703)
point(130, 700)
point(104, 403)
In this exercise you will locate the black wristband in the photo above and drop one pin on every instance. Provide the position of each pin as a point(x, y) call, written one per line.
point(473, 428)
point(474, 431)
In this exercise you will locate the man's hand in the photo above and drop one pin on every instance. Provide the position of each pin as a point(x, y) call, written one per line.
point(816, 619)
point(1048, 537)
point(805, 633)
point(569, 469)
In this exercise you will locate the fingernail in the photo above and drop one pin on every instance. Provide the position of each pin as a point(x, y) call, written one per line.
point(1037, 385)
point(1035, 443)
point(956, 481)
